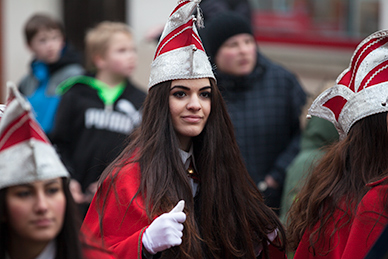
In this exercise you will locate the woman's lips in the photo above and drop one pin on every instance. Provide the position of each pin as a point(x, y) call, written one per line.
point(42, 222)
point(192, 118)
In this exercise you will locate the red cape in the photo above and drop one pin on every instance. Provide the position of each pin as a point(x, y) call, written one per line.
point(124, 225)
point(355, 240)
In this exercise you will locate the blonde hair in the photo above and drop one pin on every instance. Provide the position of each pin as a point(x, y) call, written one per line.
point(97, 40)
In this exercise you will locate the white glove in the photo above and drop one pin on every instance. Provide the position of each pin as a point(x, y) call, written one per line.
point(166, 230)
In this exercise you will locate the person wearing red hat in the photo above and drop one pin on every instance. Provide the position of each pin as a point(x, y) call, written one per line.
point(38, 216)
point(342, 208)
point(180, 188)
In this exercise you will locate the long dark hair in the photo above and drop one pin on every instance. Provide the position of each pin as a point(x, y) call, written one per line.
point(68, 244)
point(232, 217)
point(338, 182)
point(3, 224)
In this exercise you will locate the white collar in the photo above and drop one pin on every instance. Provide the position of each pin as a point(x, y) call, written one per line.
point(49, 252)
point(185, 156)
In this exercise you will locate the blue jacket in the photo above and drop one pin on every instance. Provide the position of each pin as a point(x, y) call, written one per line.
point(40, 84)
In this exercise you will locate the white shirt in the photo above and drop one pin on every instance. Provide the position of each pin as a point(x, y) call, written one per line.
point(187, 157)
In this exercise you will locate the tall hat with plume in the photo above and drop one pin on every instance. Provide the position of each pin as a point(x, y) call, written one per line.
point(361, 90)
point(26, 154)
point(180, 53)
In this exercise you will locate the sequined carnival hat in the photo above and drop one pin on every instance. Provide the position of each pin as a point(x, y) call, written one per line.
point(2, 108)
point(180, 53)
point(26, 155)
point(361, 90)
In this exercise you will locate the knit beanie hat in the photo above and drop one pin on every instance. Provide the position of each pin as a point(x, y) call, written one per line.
point(220, 28)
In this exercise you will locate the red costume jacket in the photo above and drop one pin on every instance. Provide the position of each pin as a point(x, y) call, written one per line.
point(354, 240)
point(123, 226)
point(96, 253)
point(93, 248)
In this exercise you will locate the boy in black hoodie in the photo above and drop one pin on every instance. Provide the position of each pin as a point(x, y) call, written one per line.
point(99, 110)
point(54, 61)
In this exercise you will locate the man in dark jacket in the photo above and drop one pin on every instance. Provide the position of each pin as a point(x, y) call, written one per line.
point(264, 101)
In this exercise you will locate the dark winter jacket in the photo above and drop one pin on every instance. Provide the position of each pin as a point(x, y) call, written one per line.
point(265, 107)
point(93, 123)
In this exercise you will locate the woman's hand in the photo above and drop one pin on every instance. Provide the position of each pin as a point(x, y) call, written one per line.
point(166, 230)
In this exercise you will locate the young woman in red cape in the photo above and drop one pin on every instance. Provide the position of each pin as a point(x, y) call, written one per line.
point(180, 189)
point(342, 208)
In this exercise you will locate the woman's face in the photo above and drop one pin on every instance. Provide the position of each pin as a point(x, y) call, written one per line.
point(190, 105)
point(35, 211)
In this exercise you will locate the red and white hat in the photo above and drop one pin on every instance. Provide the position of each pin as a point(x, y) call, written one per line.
point(361, 90)
point(2, 108)
point(180, 53)
point(26, 155)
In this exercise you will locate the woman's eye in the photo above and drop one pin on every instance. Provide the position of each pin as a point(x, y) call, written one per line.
point(206, 94)
point(52, 190)
point(23, 194)
point(179, 94)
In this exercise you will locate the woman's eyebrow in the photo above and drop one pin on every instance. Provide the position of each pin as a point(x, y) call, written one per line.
point(204, 88)
point(180, 86)
point(26, 185)
point(187, 88)
point(52, 182)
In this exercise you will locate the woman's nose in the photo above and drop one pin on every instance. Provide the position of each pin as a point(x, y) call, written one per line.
point(194, 103)
point(41, 203)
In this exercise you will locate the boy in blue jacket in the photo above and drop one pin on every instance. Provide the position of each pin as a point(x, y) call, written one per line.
point(54, 61)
